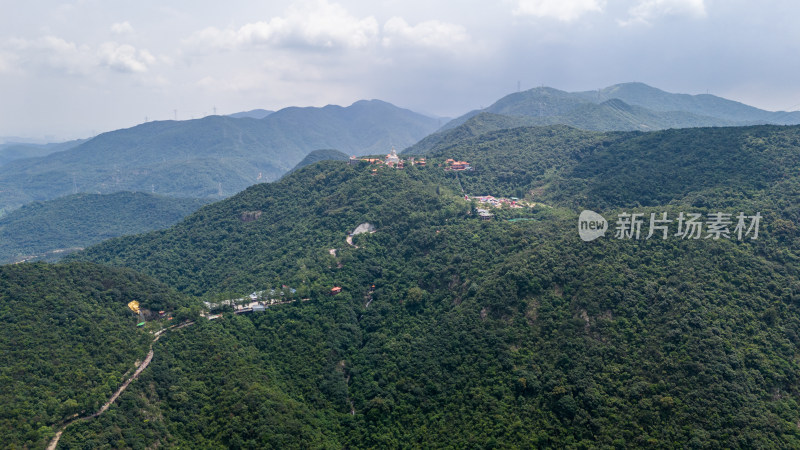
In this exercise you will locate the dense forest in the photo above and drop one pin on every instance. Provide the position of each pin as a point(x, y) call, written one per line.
point(67, 338)
point(455, 331)
point(46, 230)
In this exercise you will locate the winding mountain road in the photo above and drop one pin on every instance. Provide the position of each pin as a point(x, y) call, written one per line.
point(143, 365)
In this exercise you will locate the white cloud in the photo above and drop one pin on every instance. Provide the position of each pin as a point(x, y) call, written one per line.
point(648, 10)
point(122, 28)
point(5, 62)
point(242, 82)
point(54, 53)
point(124, 58)
point(315, 24)
point(432, 33)
point(563, 10)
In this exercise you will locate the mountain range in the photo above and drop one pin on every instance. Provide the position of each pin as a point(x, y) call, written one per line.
point(320, 155)
point(444, 328)
point(548, 102)
point(621, 107)
point(252, 114)
point(640, 94)
point(49, 230)
point(13, 151)
point(211, 157)
point(217, 156)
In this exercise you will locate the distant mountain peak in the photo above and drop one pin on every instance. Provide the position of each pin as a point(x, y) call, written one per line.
point(252, 114)
point(654, 108)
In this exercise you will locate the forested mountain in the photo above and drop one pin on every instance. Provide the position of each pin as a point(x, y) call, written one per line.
point(211, 157)
point(640, 94)
point(252, 114)
point(610, 115)
point(474, 126)
point(455, 331)
point(320, 155)
point(67, 338)
point(627, 107)
point(10, 151)
point(47, 230)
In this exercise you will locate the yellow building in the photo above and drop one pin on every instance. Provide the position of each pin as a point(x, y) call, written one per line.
point(134, 306)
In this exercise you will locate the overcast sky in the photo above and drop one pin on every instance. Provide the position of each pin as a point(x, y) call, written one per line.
point(75, 68)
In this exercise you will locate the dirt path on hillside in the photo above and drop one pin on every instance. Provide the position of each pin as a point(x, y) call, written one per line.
point(54, 442)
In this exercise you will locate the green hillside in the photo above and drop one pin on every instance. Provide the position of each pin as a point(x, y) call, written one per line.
point(213, 157)
point(252, 114)
point(320, 155)
point(67, 338)
point(474, 126)
point(640, 94)
point(11, 152)
point(460, 332)
point(45, 230)
point(701, 167)
point(627, 107)
point(611, 115)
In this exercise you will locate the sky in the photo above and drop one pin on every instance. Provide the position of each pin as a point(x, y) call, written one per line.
point(72, 69)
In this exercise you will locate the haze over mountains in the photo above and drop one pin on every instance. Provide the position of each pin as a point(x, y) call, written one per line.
point(211, 157)
point(621, 107)
point(217, 156)
point(320, 155)
point(252, 114)
point(546, 102)
point(51, 229)
point(13, 151)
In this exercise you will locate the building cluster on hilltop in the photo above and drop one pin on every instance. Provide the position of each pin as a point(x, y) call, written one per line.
point(394, 161)
point(451, 164)
point(512, 202)
point(391, 160)
point(257, 301)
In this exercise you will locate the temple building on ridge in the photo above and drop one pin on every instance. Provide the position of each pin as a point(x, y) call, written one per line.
point(392, 159)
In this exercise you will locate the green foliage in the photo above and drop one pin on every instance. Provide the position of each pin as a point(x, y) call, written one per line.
point(11, 151)
point(81, 220)
point(452, 331)
point(320, 155)
point(67, 338)
point(317, 206)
